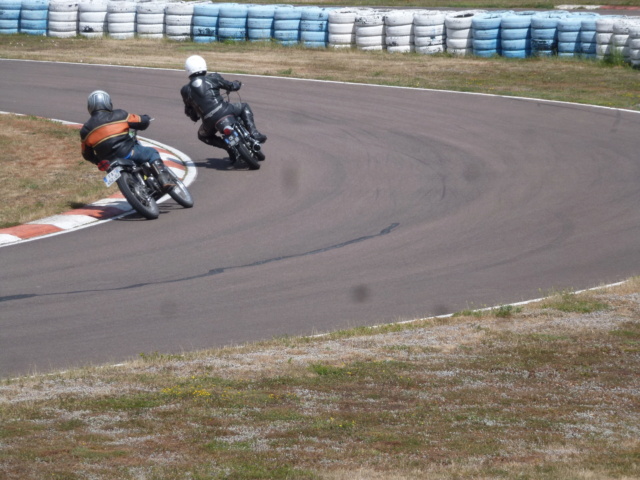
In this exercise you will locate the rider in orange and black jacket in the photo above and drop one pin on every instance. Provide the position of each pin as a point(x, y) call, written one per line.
point(105, 136)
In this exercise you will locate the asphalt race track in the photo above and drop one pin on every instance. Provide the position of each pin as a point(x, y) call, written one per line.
point(374, 205)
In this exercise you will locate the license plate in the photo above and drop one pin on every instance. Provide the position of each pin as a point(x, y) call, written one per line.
point(112, 176)
point(232, 140)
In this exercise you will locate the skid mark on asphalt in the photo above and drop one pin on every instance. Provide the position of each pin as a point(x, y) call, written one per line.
point(214, 271)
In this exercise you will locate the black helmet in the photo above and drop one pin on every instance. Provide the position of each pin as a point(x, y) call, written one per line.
point(99, 100)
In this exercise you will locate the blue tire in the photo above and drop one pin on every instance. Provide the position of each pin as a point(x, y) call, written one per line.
point(259, 23)
point(313, 25)
point(515, 33)
point(516, 53)
point(204, 31)
point(33, 25)
point(232, 22)
point(204, 21)
point(232, 33)
point(308, 36)
point(205, 39)
point(259, 33)
point(287, 13)
point(486, 34)
point(206, 10)
point(286, 35)
point(10, 14)
point(485, 44)
point(544, 34)
point(286, 24)
point(516, 20)
point(522, 44)
point(566, 37)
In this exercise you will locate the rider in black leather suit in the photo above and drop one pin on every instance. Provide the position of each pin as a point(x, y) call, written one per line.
point(202, 100)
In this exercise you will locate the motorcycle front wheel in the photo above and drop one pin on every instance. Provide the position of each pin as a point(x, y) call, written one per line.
point(135, 191)
point(248, 157)
point(180, 193)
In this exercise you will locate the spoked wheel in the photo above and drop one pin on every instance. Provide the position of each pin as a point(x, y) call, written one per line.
point(135, 191)
point(248, 157)
point(180, 193)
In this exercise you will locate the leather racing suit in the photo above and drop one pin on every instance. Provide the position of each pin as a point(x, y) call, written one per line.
point(203, 100)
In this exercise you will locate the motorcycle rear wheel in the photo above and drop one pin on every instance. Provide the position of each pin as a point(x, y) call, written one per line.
point(180, 193)
point(135, 191)
point(248, 157)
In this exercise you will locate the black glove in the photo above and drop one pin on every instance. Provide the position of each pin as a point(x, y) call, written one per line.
point(236, 85)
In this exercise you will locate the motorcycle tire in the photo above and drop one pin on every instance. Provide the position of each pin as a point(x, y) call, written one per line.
point(136, 194)
point(180, 193)
point(248, 157)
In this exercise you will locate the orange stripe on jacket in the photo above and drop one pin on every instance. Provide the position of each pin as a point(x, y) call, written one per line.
point(109, 130)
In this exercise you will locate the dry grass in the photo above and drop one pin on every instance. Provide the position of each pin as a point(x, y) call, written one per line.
point(574, 80)
point(41, 170)
point(543, 391)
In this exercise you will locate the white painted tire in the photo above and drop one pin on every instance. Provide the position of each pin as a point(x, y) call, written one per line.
point(369, 20)
point(151, 36)
point(619, 40)
point(150, 18)
point(399, 30)
point(341, 28)
point(459, 43)
point(178, 20)
point(120, 17)
point(373, 48)
point(151, 7)
point(342, 38)
point(634, 43)
point(177, 30)
point(92, 16)
point(93, 6)
point(370, 30)
point(118, 28)
point(63, 16)
point(342, 16)
point(91, 27)
point(62, 6)
point(603, 38)
point(370, 41)
point(180, 8)
point(61, 34)
point(150, 29)
point(121, 7)
point(461, 52)
point(460, 20)
point(430, 50)
point(399, 17)
point(623, 26)
point(400, 48)
point(459, 33)
point(604, 49)
point(63, 26)
point(429, 41)
point(428, 19)
point(399, 41)
point(428, 30)
point(605, 24)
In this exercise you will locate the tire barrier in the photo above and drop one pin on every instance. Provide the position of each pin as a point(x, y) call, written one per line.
point(92, 19)
point(468, 32)
point(286, 24)
point(459, 32)
point(314, 23)
point(150, 20)
point(34, 15)
point(260, 23)
point(10, 16)
point(232, 22)
point(121, 19)
point(429, 32)
point(515, 30)
point(486, 33)
point(63, 19)
point(370, 31)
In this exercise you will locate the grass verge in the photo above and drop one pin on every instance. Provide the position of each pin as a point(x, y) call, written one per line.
point(549, 391)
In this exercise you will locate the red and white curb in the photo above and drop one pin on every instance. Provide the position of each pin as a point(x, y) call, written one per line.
point(107, 209)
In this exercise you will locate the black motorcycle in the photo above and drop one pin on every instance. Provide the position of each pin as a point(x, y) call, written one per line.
point(243, 146)
point(140, 186)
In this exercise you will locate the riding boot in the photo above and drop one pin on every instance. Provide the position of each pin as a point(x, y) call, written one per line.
point(163, 176)
point(247, 118)
point(216, 141)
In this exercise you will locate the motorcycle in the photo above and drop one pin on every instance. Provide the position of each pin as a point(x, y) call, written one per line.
point(240, 142)
point(140, 186)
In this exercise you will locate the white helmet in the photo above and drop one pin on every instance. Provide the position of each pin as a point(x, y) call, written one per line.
point(195, 64)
